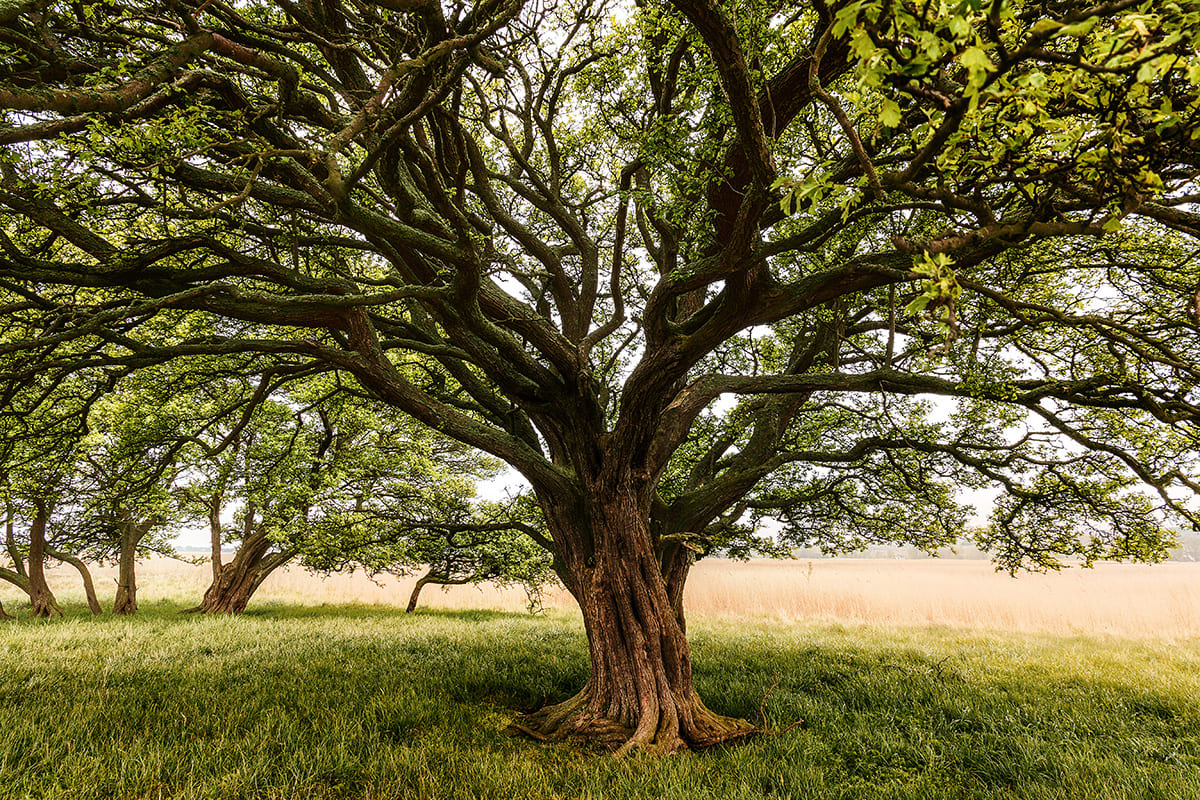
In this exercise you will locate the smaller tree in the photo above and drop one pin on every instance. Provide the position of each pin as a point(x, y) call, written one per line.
point(42, 426)
point(479, 550)
point(29, 557)
point(455, 540)
point(267, 471)
point(399, 498)
point(316, 471)
point(126, 481)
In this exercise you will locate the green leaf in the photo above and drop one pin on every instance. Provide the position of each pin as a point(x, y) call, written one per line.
point(1045, 25)
point(918, 305)
point(1193, 72)
point(1079, 29)
point(861, 44)
point(889, 113)
point(978, 65)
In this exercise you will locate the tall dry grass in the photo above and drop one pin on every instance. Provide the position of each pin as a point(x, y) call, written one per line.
point(1161, 601)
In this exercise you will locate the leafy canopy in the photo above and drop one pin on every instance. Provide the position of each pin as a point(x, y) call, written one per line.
point(562, 232)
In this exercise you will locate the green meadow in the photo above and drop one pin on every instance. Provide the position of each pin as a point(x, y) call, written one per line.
point(364, 702)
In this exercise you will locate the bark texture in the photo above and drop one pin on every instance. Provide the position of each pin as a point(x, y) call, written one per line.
point(132, 533)
point(40, 597)
point(236, 582)
point(640, 694)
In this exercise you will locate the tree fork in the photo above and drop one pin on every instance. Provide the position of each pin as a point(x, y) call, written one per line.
point(236, 582)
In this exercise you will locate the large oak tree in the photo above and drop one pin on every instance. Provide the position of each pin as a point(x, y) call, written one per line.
point(563, 232)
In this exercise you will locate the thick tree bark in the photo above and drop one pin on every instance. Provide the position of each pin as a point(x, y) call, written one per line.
point(640, 694)
point(40, 597)
point(236, 582)
point(4, 614)
point(132, 534)
point(89, 588)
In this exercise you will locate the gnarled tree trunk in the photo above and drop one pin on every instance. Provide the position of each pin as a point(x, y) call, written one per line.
point(40, 597)
point(236, 582)
point(640, 693)
point(4, 614)
point(132, 533)
point(89, 588)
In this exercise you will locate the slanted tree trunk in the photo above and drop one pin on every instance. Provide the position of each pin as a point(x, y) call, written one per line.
point(237, 581)
point(132, 533)
point(40, 597)
point(89, 588)
point(16, 579)
point(640, 693)
point(431, 577)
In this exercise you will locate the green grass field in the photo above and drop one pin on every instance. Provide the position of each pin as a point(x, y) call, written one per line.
point(363, 702)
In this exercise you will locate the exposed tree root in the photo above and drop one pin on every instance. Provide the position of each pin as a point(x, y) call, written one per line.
point(44, 604)
point(656, 734)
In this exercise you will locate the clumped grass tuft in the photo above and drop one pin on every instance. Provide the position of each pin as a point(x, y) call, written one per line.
point(367, 702)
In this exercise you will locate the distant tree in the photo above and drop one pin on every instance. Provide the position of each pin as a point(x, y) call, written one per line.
point(686, 266)
point(449, 538)
point(29, 555)
point(489, 547)
point(126, 501)
point(274, 472)
point(29, 573)
point(328, 478)
point(250, 463)
point(42, 429)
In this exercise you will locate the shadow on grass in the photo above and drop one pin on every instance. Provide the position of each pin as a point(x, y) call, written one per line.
point(170, 609)
point(361, 680)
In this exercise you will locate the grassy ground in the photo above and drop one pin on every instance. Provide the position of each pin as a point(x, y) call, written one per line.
point(365, 702)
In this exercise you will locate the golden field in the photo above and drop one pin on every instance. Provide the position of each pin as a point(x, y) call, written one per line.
point(1160, 601)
